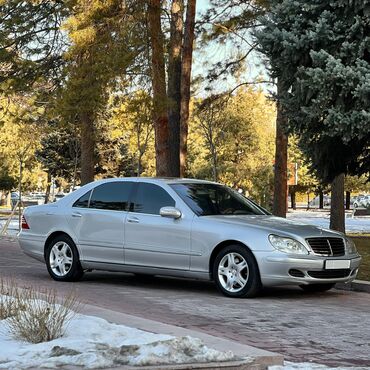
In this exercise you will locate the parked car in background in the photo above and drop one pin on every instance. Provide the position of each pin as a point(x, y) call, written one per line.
point(59, 196)
point(315, 202)
point(184, 228)
point(14, 198)
point(362, 201)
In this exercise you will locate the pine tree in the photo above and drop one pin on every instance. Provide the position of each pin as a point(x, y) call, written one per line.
point(320, 49)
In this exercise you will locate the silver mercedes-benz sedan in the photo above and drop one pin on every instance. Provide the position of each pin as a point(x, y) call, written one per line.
point(185, 228)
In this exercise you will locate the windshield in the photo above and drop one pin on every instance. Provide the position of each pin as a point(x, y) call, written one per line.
point(214, 199)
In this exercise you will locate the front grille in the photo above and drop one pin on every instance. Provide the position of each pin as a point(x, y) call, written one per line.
point(327, 246)
point(329, 274)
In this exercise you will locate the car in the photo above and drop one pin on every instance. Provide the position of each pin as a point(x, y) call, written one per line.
point(315, 202)
point(362, 201)
point(58, 196)
point(14, 198)
point(183, 228)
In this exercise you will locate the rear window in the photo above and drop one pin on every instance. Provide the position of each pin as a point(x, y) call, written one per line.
point(111, 196)
point(83, 202)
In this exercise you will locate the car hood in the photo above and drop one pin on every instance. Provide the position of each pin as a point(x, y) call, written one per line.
point(274, 224)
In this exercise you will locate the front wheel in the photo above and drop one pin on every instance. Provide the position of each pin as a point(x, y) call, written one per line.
point(62, 259)
point(316, 288)
point(236, 273)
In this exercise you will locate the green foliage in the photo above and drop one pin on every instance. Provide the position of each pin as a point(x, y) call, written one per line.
point(319, 50)
point(307, 180)
point(7, 183)
point(20, 137)
point(59, 153)
point(132, 116)
point(102, 35)
point(356, 184)
point(30, 42)
point(112, 152)
point(234, 135)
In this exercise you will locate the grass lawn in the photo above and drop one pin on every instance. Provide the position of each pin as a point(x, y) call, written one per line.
point(363, 247)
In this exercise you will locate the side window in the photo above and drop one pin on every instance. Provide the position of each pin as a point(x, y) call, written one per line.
point(83, 202)
point(112, 195)
point(150, 198)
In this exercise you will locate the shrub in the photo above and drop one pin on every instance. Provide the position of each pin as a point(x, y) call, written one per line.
point(8, 299)
point(34, 316)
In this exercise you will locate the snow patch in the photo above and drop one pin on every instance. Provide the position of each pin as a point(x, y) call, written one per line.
point(311, 366)
point(321, 219)
point(94, 343)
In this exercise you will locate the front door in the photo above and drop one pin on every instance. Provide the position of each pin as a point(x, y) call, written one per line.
point(152, 240)
point(98, 222)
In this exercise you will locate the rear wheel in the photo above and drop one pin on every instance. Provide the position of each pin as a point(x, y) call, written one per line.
point(317, 288)
point(236, 273)
point(62, 259)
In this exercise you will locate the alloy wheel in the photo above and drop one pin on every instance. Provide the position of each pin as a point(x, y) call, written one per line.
point(61, 258)
point(233, 272)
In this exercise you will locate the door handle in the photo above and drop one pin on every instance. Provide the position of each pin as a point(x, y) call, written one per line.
point(133, 220)
point(76, 215)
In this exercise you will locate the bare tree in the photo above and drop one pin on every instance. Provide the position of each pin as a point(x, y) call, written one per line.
point(212, 127)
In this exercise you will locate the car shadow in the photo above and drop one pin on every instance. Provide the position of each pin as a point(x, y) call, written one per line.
point(184, 285)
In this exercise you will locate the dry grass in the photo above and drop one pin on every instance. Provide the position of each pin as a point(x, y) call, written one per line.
point(8, 299)
point(363, 246)
point(35, 316)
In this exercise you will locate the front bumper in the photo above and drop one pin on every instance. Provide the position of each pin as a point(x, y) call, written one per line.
point(281, 269)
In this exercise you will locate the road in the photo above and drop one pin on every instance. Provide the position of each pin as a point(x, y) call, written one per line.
point(330, 328)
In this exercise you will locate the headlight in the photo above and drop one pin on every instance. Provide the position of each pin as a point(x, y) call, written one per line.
point(287, 245)
point(350, 246)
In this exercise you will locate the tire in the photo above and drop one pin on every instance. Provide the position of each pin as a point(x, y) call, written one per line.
point(228, 279)
point(63, 252)
point(317, 288)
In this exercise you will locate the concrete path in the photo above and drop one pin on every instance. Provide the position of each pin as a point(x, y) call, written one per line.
point(331, 328)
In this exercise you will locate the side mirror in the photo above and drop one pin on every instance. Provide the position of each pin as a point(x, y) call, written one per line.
point(170, 212)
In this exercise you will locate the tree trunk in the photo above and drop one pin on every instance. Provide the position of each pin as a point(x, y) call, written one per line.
point(308, 200)
point(187, 57)
point(292, 199)
point(281, 159)
point(48, 185)
point(337, 221)
point(174, 85)
point(160, 116)
point(321, 199)
point(20, 193)
point(75, 168)
point(348, 200)
point(87, 149)
point(214, 163)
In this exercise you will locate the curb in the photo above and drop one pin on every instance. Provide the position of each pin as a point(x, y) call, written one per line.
point(355, 286)
point(229, 365)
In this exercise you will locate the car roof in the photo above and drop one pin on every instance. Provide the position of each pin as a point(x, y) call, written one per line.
point(167, 180)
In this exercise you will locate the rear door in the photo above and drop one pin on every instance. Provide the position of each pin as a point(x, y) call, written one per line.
point(153, 240)
point(98, 219)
